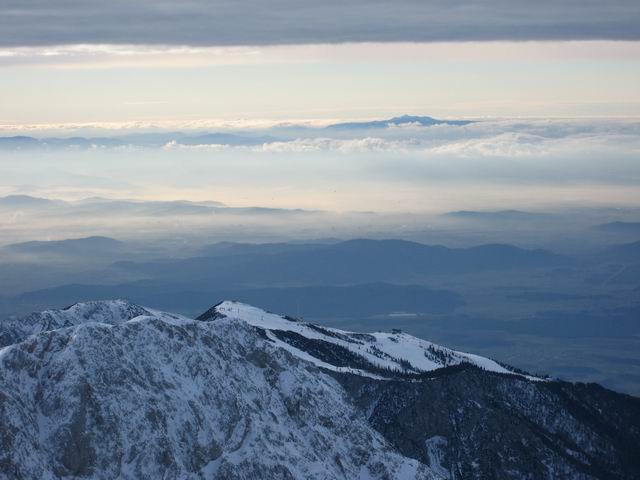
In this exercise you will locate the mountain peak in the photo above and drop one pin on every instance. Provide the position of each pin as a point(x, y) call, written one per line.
point(378, 354)
point(239, 398)
point(212, 313)
point(204, 400)
point(421, 120)
point(111, 312)
point(104, 311)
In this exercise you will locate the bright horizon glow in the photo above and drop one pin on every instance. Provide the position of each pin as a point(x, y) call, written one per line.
point(120, 84)
point(560, 123)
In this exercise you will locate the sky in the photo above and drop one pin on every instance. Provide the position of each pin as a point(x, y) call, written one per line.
point(255, 22)
point(87, 61)
point(552, 86)
point(471, 79)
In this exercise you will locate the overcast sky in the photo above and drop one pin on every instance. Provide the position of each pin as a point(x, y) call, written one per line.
point(79, 61)
point(260, 22)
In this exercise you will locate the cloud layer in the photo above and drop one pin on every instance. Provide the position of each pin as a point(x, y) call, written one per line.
point(517, 163)
point(256, 22)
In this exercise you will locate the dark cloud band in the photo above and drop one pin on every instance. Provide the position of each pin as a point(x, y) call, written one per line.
point(262, 22)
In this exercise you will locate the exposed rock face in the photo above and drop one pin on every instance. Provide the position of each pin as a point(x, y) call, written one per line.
point(161, 396)
point(474, 424)
point(113, 390)
point(112, 313)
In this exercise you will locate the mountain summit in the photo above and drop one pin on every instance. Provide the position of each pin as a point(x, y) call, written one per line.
point(114, 390)
point(403, 120)
point(378, 355)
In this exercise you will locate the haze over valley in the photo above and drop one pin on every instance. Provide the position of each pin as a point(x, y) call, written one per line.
point(547, 301)
point(303, 240)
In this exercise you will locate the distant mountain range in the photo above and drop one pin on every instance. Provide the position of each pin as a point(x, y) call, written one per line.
point(115, 390)
point(27, 201)
point(422, 121)
point(499, 215)
point(70, 247)
point(161, 139)
point(97, 206)
point(21, 142)
point(620, 227)
point(352, 261)
point(320, 301)
point(150, 140)
point(357, 278)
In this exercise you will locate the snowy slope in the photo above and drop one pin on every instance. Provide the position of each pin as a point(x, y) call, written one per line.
point(111, 312)
point(106, 390)
point(373, 353)
point(123, 392)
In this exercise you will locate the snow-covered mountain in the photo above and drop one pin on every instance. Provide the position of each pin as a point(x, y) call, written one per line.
point(111, 313)
point(379, 355)
point(114, 390)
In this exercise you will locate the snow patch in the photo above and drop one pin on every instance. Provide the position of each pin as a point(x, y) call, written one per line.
point(392, 351)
